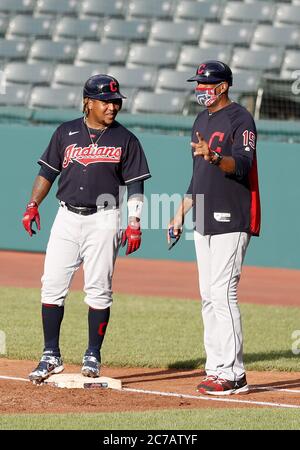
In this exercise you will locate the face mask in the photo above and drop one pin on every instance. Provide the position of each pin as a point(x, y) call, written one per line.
point(207, 96)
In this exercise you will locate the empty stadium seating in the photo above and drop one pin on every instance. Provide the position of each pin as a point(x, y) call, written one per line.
point(103, 8)
point(151, 46)
point(107, 52)
point(63, 97)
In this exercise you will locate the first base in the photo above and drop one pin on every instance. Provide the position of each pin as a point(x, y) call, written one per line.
point(78, 381)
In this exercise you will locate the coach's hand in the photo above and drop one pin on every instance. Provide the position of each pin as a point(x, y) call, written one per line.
point(132, 235)
point(201, 147)
point(30, 216)
point(174, 230)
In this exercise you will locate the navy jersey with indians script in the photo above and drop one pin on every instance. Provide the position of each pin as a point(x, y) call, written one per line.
point(231, 201)
point(88, 171)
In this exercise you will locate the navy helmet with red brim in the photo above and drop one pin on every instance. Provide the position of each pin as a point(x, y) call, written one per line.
point(102, 87)
point(212, 72)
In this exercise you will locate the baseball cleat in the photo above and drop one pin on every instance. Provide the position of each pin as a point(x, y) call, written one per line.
point(205, 382)
point(220, 386)
point(91, 366)
point(48, 365)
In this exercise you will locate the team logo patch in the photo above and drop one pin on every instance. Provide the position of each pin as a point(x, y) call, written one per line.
point(222, 216)
point(91, 155)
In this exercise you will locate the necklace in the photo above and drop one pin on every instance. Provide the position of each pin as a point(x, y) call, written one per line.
point(94, 144)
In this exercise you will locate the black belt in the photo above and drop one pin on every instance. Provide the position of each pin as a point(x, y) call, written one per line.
point(85, 210)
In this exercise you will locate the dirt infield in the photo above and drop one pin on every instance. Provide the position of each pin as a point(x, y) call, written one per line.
point(177, 387)
point(23, 397)
point(162, 278)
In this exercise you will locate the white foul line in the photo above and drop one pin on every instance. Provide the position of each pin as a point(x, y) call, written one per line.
point(13, 378)
point(173, 394)
point(262, 388)
point(196, 397)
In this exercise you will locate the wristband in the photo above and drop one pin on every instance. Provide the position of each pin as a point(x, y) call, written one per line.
point(135, 208)
point(217, 158)
point(32, 205)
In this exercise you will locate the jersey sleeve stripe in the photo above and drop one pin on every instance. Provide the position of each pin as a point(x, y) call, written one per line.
point(53, 168)
point(255, 212)
point(146, 175)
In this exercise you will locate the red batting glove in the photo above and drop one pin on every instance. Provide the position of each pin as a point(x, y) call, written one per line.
point(132, 235)
point(30, 216)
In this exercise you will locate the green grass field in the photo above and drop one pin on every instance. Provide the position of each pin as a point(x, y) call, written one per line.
point(147, 331)
point(203, 419)
point(151, 332)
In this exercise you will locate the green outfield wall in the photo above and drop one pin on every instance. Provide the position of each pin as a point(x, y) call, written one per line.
point(170, 163)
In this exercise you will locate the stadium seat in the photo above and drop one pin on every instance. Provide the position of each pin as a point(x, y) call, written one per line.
point(166, 103)
point(261, 60)
point(191, 56)
point(204, 10)
point(64, 97)
point(130, 94)
point(56, 7)
point(44, 50)
point(37, 73)
point(150, 9)
point(29, 27)
point(106, 52)
point(288, 15)
point(258, 11)
point(3, 24)
point(269, 36)
point(159, 56)
point(172, 80)
point(127, 30)
point(73, 28)
point(180, 32)
point(290, 63)
point(278, 100)
point(245, 82)
point(103, 8)
point(234, 34)
point(139, 78)
point(15, 95)
point(67, 74)
point(17, 6)
point(13, 49)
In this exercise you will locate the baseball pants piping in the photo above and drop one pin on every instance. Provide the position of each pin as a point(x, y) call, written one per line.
point(220, 258)
point(75, 239)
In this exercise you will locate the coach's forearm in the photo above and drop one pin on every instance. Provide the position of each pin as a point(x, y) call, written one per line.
point(227, 164)
point(40, 189)
point(183, 209)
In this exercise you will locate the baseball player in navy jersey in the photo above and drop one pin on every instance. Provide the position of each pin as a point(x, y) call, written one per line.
point(224, 195)
point(93, 156)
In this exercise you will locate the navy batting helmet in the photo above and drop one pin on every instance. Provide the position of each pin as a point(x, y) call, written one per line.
point(102, 87)
point(212, 72)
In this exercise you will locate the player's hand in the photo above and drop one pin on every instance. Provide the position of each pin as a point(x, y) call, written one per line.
point(31, 216)
point(201, 147)
point(132, 235)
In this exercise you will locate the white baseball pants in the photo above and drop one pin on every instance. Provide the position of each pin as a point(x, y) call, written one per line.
point(220, 258)
point(92, 240)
